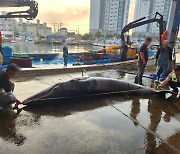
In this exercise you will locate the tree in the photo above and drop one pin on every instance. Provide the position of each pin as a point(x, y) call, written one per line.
point(71, 34)
point(98, 34)
point(118, 36)
point(86, 36)
point(109, 36)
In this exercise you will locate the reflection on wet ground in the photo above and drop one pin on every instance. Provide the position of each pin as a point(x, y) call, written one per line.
point(106, 124)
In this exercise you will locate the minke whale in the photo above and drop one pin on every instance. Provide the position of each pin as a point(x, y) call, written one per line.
point(90, 86)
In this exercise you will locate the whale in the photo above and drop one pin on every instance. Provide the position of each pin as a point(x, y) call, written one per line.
point(90, 86)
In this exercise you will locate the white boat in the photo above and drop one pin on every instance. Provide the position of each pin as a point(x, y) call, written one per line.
point(13, 41)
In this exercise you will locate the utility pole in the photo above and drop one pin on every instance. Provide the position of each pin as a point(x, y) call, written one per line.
point(54, 27)
point(60, 25)
point(173, 21)
point(78, 30)
point(173, 25)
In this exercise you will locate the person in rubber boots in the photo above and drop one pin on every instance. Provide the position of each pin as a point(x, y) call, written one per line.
point(163, 61)
point(173, 80)
point(143, 58)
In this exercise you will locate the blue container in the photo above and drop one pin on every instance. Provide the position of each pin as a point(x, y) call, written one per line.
point(7, 51)
point(105, 61)
point(153, 76)
point(151, 53)
point(115, 61)
point(129, 58)
point(88, 63)
point(6, 60)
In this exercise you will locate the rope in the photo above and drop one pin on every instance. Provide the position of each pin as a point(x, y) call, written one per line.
point(100, 94)
point(69, 76)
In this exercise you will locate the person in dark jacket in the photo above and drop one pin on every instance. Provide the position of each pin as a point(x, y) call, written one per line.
point(65, 52)
point(163, 61)
point(143, 57)
point(124, 50)
point(6, 86)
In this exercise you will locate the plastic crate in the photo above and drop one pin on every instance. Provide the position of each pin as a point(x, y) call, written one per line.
point(7, 51)
point(6, 60)
point(151, 53)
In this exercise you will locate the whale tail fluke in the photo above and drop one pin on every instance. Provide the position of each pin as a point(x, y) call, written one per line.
point(168, 94)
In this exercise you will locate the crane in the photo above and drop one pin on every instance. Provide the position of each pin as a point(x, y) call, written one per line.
point(170, 30)
point(158, 18)
point(29, 14)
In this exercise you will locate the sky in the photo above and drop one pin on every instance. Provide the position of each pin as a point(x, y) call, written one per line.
point(71, 13)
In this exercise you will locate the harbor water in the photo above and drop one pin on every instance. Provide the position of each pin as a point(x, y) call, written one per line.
point(21, 47)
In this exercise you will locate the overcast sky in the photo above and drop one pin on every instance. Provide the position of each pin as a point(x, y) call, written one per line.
point(72, 13)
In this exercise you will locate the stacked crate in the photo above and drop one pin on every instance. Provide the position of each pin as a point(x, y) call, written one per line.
point(7, 54)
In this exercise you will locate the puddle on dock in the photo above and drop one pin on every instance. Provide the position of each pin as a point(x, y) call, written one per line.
point(106, 124)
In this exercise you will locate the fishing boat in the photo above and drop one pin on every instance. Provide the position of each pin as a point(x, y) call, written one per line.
point(111, 55)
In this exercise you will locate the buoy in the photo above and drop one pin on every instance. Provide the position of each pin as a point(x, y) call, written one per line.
point(164, 36)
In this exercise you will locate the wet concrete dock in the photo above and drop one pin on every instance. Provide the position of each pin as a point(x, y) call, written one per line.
point(108, 124)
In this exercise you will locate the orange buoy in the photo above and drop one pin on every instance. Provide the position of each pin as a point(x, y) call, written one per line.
point(164, 36)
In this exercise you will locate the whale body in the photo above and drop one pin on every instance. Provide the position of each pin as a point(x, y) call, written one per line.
point(89, 86)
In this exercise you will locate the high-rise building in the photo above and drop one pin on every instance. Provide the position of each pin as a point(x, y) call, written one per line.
point(161, 6)
point(96, 16)
point(109, 16)
point(148, 7)
point(143, 8)
point(7, 27)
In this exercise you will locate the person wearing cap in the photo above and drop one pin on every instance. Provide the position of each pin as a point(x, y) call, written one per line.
point(163, 61)
point(173, 80)
point(6, 86)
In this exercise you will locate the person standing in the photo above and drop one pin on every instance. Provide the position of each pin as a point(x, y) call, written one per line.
point(103, 50)
point(163, 61)
point(65, 52)
point(124, 50)
point(142, 60)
